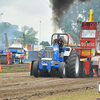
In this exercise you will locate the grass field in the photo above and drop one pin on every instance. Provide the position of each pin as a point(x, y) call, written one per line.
point(14, 70)
point(78, 95)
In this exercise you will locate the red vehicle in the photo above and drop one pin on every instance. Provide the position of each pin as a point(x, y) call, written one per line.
point(89, 50)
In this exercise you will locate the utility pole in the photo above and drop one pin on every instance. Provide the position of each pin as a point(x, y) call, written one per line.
point(1, 27)
point(40, 33)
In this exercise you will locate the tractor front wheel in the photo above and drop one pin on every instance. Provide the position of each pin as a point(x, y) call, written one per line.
point(62, 70)
point(36, 68)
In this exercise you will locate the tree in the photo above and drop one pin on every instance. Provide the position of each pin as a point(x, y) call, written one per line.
point(30, 34)
point(79, 11)
point(11, 30)
point(45, 43)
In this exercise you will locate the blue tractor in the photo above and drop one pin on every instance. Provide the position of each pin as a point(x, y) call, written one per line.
point(50, 61)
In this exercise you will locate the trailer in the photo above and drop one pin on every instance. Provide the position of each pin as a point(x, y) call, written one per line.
point(89, 63)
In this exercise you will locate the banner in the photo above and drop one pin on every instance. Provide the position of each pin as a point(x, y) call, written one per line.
point(70, 39)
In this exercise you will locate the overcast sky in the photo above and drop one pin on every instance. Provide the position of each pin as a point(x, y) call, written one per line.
point(30, 13)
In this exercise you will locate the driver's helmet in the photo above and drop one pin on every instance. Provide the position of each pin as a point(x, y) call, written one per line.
point(58, 35)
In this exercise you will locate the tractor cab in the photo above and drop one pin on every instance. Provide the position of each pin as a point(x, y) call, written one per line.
point(18, 43)
point(18, 40)
point(56, 47)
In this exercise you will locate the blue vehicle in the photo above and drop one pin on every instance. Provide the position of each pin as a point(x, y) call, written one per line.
point(17, 49)
point(50, 61)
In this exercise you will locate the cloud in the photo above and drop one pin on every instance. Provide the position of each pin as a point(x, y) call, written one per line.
point(4, 3)
point(27, 6)
point(30, 13)
point(32, 6)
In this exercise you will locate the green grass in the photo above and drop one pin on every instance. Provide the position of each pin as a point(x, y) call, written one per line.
point(14, 70)
point(79, 96)
point(58, 98)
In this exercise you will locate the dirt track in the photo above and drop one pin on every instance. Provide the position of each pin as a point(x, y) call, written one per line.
point(21, 85)
point(25, 65)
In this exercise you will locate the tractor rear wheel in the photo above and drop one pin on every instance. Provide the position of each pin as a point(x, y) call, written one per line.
point(62, 70)
point(73, 64)
point(36, 68)
point(41, 55)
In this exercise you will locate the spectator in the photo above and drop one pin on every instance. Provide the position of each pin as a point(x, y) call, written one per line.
point(8, 56)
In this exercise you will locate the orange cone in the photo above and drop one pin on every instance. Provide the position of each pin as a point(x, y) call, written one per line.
point(0, 68)
point(95, 73)
point(30, 67)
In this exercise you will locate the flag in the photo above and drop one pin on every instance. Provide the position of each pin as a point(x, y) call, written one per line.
point(70, 39)
point(31, 47)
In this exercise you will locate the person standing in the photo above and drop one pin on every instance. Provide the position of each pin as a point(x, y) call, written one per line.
point(8, 56)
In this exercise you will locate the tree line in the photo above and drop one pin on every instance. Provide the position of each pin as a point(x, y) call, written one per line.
point(69, 24)
point(79, 11)
point(13, 31)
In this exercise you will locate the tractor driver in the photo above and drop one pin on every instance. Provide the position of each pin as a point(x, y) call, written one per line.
point(60, 42)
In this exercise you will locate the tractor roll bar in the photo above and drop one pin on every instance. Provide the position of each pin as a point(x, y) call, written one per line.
point(59, 34)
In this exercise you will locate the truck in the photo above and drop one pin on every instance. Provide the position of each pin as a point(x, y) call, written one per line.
point(89, 47)
point(18, 51)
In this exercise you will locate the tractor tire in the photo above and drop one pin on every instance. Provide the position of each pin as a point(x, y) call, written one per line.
point(10, 61)
point(20, 61)
point(61, 70)
point(31, 71)
point(91, 69)
point(13, 60)
point(73, 65)
point(41, 55)
point(81, 69)
point(41, 72)
point(36, 68)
